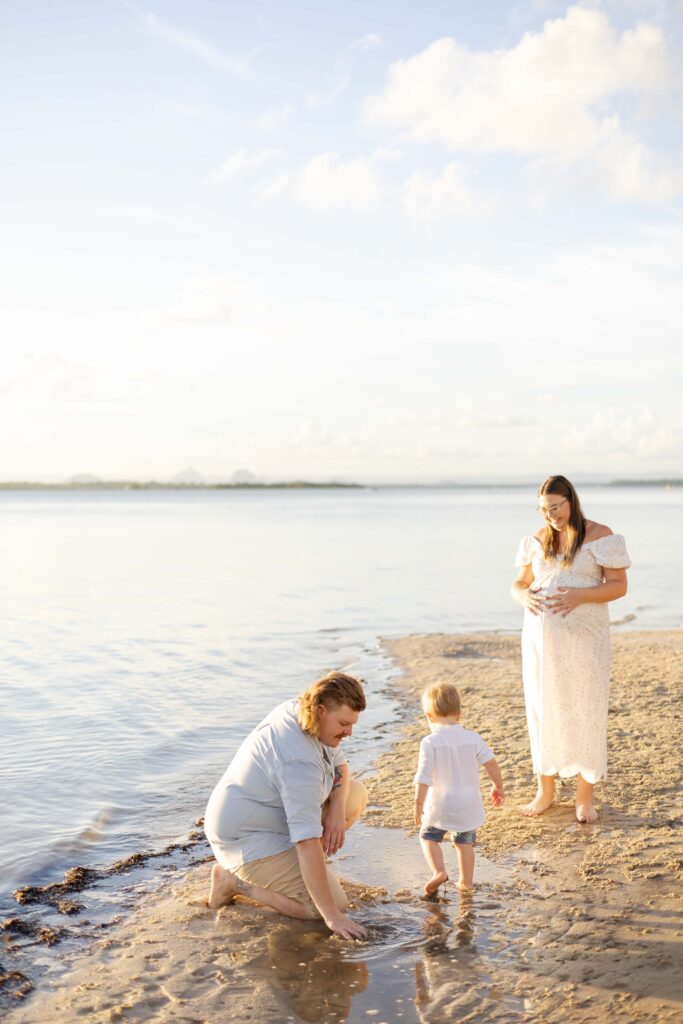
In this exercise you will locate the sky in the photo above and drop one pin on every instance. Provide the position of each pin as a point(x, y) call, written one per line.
point(378, 241)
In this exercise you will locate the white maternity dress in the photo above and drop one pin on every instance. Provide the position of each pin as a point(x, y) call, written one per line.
point(566, 662)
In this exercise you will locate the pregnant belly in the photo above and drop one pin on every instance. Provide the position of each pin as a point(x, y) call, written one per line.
point(586, 618)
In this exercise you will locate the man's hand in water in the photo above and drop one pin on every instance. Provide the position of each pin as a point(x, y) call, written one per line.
point(345, 926)
point(333, 829)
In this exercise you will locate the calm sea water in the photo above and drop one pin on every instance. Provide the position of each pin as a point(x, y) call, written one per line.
point(145, 633)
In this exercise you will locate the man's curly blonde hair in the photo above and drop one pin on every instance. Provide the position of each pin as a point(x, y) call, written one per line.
point(331, 690)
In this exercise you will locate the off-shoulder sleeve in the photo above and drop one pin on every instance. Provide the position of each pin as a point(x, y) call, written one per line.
point(610, 552)
point(524, 552)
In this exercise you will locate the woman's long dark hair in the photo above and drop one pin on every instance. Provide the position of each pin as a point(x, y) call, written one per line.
point(576, 527)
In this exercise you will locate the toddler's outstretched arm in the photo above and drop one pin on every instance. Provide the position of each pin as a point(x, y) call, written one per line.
point(493, 772)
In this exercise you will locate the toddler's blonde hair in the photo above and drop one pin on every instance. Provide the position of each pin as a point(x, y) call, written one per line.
point(441, 700)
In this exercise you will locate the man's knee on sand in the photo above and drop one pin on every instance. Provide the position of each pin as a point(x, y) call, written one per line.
point(357, 800)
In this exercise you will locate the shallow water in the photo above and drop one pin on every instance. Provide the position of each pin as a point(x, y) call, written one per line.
point(413, 945)
point(392, 859)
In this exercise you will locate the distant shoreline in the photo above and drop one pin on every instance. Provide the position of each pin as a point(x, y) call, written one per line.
point(155, 485)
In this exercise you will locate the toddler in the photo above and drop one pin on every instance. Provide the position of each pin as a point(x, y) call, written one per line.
point(447, 794)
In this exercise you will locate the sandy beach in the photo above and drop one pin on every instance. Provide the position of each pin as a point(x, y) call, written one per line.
point(568, 922)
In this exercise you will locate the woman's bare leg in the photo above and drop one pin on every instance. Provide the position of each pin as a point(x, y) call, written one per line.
point(585, 811)
point(544, 797)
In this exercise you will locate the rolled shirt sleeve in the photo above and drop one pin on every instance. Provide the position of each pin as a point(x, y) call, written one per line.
point(301, 788)
point(338, 757)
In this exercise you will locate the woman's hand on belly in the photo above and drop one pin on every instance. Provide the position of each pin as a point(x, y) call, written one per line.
point(534, 601)
point(565, 600)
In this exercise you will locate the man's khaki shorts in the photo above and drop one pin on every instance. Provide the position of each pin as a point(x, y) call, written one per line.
point(282, 873)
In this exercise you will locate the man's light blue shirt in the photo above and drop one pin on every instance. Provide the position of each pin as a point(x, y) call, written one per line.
point(271, 794)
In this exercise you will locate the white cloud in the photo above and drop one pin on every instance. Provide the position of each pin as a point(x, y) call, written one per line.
point(370, 41)
point(271, 190)
point(48, 375)
point(411, 443)
point(314, 100)
point(387, 154)
point(276, 116)
point(428, 196)
point(636, 435)
point(629, 170)
point(240, 161)
point(547, 96)
point(144, 214)
point(328, 183)
point(341, 450)
point(202, 113)
point(187, 41)
point(210, 298)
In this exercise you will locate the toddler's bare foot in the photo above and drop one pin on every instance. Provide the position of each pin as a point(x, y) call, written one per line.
point(465, 887)
point(223, 887)
point(586, 813)
point(434, 882)
point(538, 805)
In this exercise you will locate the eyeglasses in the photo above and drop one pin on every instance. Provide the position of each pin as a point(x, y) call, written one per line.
point(549, 513)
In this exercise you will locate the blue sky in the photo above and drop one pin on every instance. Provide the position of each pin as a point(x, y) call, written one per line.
point(374, 241)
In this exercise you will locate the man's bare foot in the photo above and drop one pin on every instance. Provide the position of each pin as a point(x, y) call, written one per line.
point(538, 805)
point(586, 814)
point(434, 882)
point(223, 887)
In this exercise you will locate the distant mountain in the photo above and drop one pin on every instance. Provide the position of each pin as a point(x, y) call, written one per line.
point(189, 477)
point(83, 480)
point(243, 476)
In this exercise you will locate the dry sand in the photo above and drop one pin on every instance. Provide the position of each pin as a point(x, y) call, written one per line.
point(569, 923)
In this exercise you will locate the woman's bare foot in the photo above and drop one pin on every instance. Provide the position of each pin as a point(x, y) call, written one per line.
point(538, 805)
point(223, 887)
point(585, 811)
point(545, 796)
point(465, 888)
point(586, 814)
point(434, 882)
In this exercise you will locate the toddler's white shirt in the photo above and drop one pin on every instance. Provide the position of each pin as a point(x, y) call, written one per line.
point(449, 764)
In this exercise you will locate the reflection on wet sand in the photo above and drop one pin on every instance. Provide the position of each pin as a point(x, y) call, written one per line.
point(317, 985)
point(418, 954)
point(451, 978)
point(447, 934)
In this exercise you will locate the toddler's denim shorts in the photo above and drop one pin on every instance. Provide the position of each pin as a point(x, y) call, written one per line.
point(435, 835)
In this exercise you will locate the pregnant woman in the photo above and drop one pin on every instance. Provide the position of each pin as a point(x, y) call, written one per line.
point(568, 572)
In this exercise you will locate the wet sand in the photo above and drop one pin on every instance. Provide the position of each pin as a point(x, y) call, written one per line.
point(568, 923)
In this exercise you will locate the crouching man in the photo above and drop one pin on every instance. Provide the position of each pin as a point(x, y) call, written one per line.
point(284, 802)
